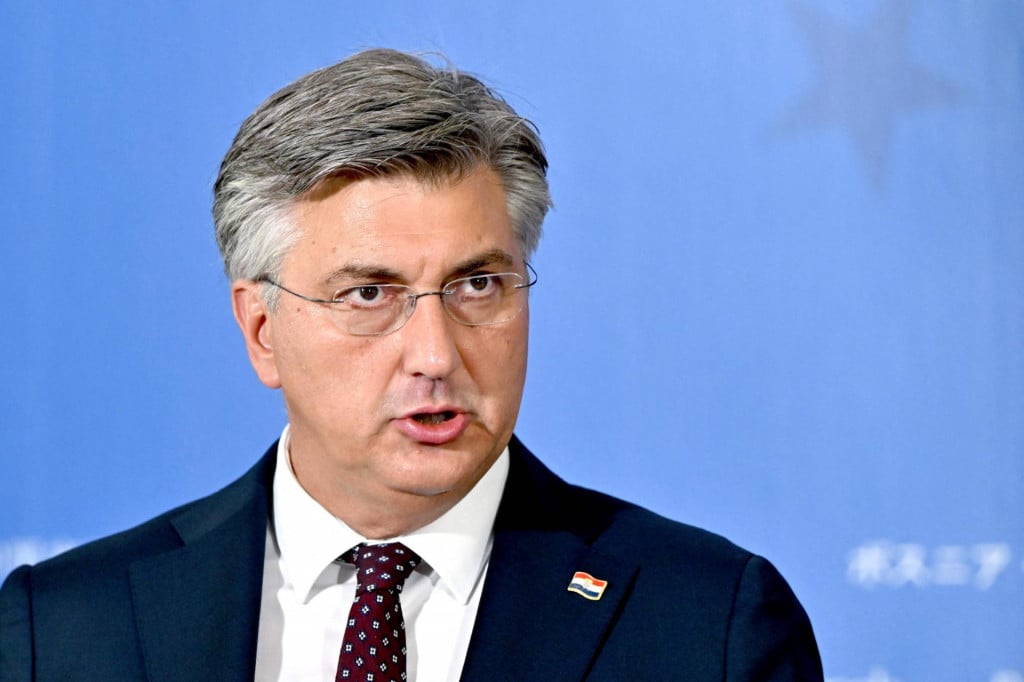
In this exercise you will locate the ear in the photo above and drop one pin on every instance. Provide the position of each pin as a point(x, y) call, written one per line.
point(256, 324)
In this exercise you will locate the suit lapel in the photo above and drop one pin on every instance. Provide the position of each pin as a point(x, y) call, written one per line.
point(197, 607)
point(529, 625)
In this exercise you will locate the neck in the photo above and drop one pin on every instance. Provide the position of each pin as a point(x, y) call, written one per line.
point(387, 520)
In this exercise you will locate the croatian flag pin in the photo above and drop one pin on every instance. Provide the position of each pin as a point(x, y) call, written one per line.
point(587, 586)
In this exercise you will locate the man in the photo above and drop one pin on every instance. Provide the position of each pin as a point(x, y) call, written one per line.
point(376, 219)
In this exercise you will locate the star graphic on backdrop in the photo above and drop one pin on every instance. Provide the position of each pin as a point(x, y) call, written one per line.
point(866, 80)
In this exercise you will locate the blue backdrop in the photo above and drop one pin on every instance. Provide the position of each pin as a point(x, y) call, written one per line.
point(780, 294)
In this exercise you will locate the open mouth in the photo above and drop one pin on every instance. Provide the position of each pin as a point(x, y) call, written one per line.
point(431, 418)
point(434, 425)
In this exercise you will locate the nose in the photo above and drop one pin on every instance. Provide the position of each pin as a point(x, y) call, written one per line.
point(429, 347)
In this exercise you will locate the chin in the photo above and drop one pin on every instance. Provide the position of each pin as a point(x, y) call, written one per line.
point(441, 478)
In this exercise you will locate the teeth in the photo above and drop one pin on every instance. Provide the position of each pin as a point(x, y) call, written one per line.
point(434, 418)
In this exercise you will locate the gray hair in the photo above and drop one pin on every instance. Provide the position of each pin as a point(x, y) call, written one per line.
point(377, 113)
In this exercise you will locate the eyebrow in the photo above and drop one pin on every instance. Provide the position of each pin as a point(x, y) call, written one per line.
point(492, 257)
point(364, 272)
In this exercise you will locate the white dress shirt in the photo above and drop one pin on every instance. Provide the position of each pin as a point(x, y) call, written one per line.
point(307, 591)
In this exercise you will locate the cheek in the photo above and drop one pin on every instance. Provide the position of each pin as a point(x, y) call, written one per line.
point(319, 363)
point(339, 390)
point(504, 357)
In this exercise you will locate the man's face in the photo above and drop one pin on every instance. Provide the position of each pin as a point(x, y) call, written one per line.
point(408, 421)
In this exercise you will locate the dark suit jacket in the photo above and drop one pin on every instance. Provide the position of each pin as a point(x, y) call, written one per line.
point(178, 598)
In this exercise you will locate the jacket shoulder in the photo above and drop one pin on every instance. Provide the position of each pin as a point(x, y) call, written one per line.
point(82, 610)
point(106, 560)
point(542, 499)
point(694, 602)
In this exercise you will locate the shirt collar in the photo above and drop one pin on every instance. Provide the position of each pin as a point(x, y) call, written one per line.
point(456, 546)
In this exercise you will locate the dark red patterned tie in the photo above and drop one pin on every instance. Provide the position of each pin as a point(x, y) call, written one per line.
point(374, 646)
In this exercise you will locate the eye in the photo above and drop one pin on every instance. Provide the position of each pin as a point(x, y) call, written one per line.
point(480, 283)
point(479, 288)
point(369, 293)
point(366, 296)
point(475, 287)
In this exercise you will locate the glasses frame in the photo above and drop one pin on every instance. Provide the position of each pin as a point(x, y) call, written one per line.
point(413, 298)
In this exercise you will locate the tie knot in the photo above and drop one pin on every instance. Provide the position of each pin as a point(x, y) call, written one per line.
point(381, 567)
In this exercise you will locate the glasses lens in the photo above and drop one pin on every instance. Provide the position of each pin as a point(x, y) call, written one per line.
point(371, 309)
point(484, 299)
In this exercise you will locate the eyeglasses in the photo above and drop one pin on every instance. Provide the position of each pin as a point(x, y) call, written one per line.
point(378, 309)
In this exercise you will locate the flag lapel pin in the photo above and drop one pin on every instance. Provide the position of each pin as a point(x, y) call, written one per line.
point(587, 586)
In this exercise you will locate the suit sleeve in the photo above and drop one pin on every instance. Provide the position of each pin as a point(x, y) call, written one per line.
point(770, 637)
point(16, 627)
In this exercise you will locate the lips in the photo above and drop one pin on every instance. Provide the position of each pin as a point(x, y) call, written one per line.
point(433, 418)
point(433, 426)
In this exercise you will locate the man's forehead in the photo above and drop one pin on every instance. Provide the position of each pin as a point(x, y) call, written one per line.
point(391, 225)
